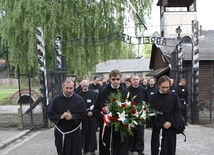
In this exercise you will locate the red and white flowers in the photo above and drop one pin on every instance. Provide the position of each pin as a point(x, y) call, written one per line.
point(125, 115)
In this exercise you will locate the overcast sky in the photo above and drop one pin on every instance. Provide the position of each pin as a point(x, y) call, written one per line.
point(204, 13)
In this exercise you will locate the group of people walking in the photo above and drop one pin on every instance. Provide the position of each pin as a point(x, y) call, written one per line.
point(78, 115)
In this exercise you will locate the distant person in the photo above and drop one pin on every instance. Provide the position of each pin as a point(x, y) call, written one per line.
point(101, 83)
point(122, 83)
point(172, 86)
point(78, 87)
point(183, 95)
point(95, 86)
point(67, 112)
point(144, 83)
point(165, 125)
point(89, 139)
point(151, 88)
point(136, 142)
point(104, 82)
point(128, 82)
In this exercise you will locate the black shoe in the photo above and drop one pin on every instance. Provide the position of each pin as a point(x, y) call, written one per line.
point(140, 153)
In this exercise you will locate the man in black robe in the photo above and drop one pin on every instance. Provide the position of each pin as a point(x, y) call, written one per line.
point(115, 146)
point(95, 86)
point(151, 88)
point(172, 86)
point(183, 94)
point(164, 126)
point(89, 140)
point(78, 87)
point(128, 82)
point(136, 142)
point(144, 83)
point(66, 112)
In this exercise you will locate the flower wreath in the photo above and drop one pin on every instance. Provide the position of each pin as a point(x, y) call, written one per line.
point(125, 115)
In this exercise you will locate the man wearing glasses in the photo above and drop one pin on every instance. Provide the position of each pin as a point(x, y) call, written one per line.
point(117, 147)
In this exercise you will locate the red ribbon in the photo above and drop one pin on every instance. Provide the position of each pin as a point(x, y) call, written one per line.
point(106, 121)
point(105, 109)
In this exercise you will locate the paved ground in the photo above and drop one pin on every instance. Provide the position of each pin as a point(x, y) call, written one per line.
point(13, 109)
point(200, 139)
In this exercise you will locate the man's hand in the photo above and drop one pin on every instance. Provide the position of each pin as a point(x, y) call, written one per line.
point(66, 115)
point(90, 114)
point(167, 125)
point(63, 115)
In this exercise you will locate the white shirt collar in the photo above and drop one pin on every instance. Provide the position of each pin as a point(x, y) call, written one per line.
point(114, 87)
point(135, 86)
point(160, 91)
point(85, 90)
point(67, 96)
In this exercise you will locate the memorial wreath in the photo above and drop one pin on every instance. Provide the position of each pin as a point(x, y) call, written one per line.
point(125, 115)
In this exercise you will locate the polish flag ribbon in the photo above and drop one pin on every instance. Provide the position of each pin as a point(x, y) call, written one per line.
point(106, 121)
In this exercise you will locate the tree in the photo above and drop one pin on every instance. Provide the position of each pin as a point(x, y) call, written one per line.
point(72, 19)
point(3, 49)
point(147, 50)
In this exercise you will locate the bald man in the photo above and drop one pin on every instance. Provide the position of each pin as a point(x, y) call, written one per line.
point(89, 141)
point(136, 142)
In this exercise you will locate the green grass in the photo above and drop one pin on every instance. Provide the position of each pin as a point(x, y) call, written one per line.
point(5, 95)
point(9, 87)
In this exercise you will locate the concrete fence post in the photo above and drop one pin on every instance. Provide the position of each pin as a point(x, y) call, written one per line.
point(20, 119)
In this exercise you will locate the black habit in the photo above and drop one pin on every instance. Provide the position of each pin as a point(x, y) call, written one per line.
point(117, 147)
point(151, 90)
point(183, 94)
point(89, 140)
point(136, 142)
point(169, 105)
point(96, 88)
point(71, 145)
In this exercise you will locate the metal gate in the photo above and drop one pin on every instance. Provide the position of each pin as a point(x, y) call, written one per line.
point(206, 92)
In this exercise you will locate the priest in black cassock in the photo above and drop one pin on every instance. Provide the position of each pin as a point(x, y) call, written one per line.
point(183, 94)
point(95, 86)
point(151, 88)
point(172, 86)
point(115, 146)
point(89, 139)
point(136, 142)
point(67, 111)
point(164, 126)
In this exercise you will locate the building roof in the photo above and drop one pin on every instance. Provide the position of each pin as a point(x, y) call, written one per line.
point(176, 3)
point(205, 47)
point(124, 65)
point(159, 71)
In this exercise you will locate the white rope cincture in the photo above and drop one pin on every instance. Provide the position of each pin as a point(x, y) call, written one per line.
point(160, 141)
point(65, 133)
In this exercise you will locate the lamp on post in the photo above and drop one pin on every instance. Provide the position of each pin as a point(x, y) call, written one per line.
point(178, 31)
